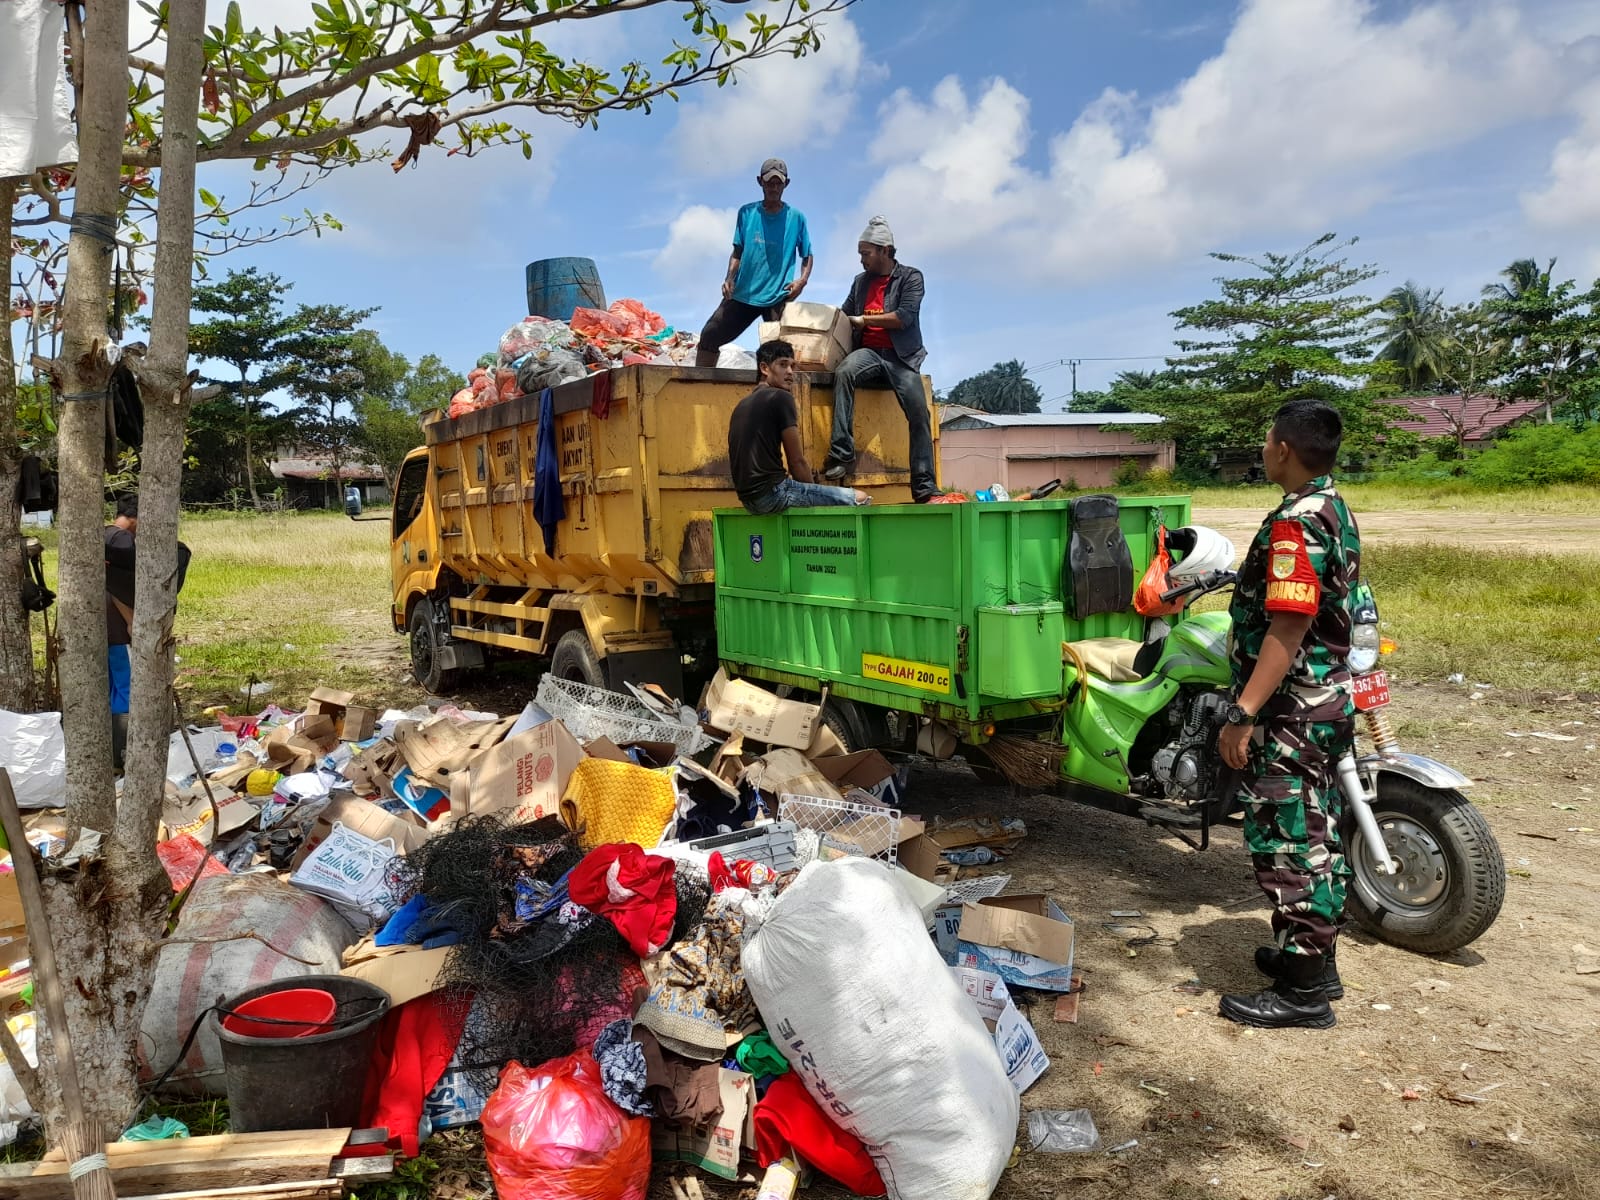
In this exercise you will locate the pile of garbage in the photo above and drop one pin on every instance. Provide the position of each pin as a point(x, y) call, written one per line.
point(616, 929)
point(538, 352)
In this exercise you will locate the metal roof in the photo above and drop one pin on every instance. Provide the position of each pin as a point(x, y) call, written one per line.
point(957, 417)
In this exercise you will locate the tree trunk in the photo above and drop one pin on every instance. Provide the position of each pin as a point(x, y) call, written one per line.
point(100, 917)
point(85, 368)
point(249, 445)
point(18, 680)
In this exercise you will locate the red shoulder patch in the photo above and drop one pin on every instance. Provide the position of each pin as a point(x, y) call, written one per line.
point(1292, 583)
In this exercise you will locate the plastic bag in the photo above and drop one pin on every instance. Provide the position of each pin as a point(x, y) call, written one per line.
point(353, 871)
point(1147, 600)
point(34, 752)
point(547, 368)
point(463, 402)
point(533, 333)
point(1068, 1131)
point(551, 1133)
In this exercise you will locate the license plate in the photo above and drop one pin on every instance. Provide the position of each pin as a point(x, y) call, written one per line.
point(1372, 690)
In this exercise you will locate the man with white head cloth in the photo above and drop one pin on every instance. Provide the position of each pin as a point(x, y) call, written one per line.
point(885, 309)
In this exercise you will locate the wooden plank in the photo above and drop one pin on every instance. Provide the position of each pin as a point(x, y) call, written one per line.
point(192, 1164)
point(301, 1190)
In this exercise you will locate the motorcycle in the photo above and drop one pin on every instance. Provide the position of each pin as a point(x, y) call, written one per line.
point(1138, 734)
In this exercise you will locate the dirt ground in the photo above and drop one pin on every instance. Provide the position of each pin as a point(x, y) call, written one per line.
point(1474, 1074)
point(1527, 533)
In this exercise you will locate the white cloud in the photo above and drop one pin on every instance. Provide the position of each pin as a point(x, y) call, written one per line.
point(698, 242)
point(1570, 198)
point(777, 106)
point(1294, 125)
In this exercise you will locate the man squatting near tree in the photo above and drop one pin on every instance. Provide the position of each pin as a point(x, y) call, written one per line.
point(1292, 718)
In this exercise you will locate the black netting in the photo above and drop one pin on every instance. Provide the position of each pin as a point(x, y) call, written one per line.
point(546, 973)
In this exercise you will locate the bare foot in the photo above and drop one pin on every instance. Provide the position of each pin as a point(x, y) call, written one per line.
point(862, 497)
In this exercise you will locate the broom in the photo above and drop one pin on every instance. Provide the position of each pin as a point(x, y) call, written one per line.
point(1030, 763)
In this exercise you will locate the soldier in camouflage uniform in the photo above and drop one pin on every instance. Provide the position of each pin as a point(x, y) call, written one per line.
point(1292, 718)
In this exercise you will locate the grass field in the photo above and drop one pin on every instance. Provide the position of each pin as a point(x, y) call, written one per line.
point(301, 599)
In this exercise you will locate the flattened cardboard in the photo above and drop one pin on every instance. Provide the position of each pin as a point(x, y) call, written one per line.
point(439, 748)
point(527, 773)
point(365, 818)
point(1026, 940)
point(787, 771)
point(10, 900)
point(736, 706)
point(405, 972)
point(716, 1147)
point(291, 752)
point(192, 815)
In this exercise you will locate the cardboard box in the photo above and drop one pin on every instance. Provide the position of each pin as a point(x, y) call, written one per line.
point(365, 818)
point(1014, 1037)
point(352, 722)
point(784, 771)
point(716, 1147)
point(865, 770)
point(437, 749)
point(1026, 940)
point(405, 972)
point(291, 752)
point(528, 773)
point(736, 706)
point(819, 333)
point(191, 814)
point(11, 919)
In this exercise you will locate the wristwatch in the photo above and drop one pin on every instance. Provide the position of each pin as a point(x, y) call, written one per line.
point(1236, 715)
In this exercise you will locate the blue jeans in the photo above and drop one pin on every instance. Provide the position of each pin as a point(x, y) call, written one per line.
point(876, 368)
point(791, 493)
point(121, 677)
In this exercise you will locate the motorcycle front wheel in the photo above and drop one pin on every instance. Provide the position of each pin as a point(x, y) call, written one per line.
point(1452, 880)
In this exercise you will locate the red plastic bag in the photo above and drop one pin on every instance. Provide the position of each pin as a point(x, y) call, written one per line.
point(463, 402)
point(551, 1133)
point(1147, 600)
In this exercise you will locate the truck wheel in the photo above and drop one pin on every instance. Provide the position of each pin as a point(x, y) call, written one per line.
point(426, 642)
point(574, 660)
point(1453, 878)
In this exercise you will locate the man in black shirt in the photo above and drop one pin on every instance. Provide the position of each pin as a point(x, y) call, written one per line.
point(120, 558)
point(763, 432)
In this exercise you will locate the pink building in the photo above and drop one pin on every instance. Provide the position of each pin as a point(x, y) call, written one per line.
point(977, 449)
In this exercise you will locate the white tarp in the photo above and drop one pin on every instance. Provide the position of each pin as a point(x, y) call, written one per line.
point(35, 104)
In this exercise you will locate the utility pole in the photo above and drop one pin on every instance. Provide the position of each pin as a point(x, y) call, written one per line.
point(1073, 364)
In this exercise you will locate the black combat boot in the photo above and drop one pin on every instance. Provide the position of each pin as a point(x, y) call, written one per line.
point(1269, 961)
point(1294, 1002)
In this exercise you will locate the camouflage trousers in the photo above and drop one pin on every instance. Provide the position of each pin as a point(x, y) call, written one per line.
point(1292, 807)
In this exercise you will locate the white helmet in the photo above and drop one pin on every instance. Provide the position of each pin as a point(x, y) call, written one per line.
point(1203, 550)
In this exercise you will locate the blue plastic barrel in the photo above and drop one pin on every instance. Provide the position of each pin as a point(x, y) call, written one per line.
point(557, 286)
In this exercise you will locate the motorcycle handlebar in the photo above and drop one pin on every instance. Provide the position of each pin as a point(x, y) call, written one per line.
point(1208, 582)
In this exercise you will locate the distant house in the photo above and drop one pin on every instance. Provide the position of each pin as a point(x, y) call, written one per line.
point(308, 482)
point(1477, 420)
point(1020, 452)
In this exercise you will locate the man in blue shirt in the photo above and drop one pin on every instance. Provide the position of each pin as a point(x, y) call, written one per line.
point(766, 239)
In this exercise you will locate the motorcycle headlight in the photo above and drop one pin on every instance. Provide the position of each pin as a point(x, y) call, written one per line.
point(1364, 646)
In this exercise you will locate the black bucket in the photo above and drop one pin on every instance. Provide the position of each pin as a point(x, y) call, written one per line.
point(314, 1082)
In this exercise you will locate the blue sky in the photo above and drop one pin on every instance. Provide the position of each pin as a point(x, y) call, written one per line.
point(1059, 170)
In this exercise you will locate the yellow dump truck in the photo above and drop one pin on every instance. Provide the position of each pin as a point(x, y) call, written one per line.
point(625, 595)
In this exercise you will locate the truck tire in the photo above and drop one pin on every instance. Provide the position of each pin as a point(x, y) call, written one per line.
point(574, 660)
point(1454, 879)
point(426, 641)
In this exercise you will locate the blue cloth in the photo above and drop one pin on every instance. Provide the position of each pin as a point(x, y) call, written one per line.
point(121, 677)
point(768, 244)
point(549, 505)
point(401, 926)
point(791, 493)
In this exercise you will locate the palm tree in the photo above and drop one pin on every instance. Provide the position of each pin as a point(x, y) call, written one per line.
point(1416, 335)
point(1523, 279)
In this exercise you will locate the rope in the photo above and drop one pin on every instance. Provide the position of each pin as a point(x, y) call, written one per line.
point(102, 229)
point(98, 395)
point(88, 1164)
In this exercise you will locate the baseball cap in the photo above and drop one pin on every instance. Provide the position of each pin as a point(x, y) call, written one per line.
point(775, 166)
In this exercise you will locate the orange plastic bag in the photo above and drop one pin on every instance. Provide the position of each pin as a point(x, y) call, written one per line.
point(1147, 600)
point(463, 402)
point(551, 1133)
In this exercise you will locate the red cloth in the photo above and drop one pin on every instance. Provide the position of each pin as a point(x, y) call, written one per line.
point(1292, 583)
point(600, 398)
point(788, 1118)
point(872, 306)
point(633, 890)
point(415, 1044)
